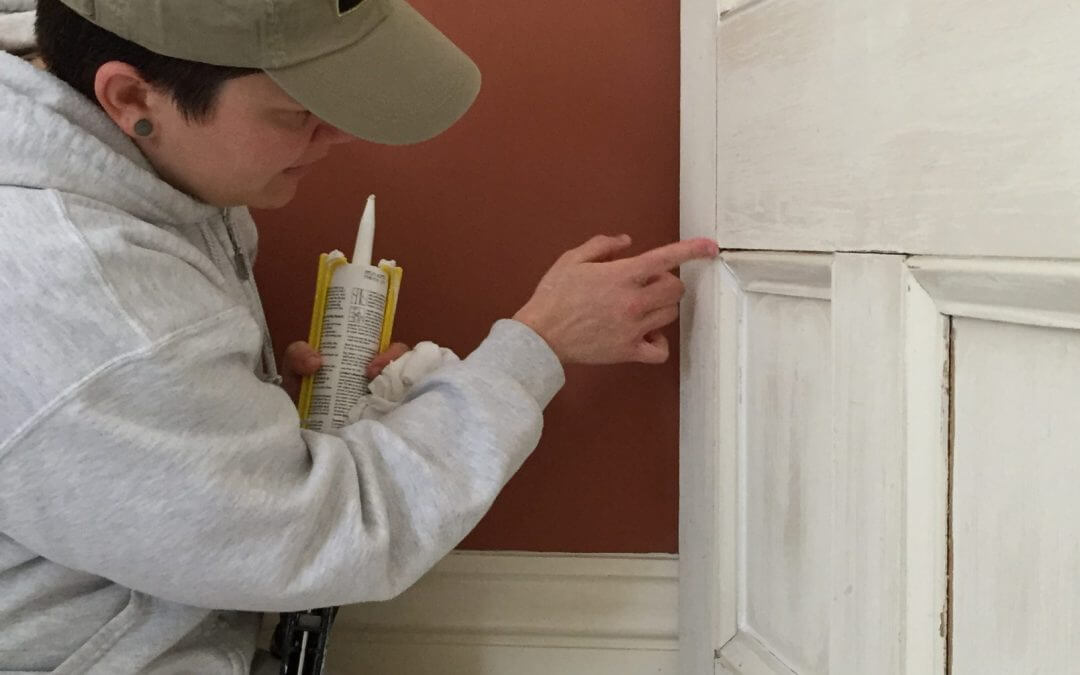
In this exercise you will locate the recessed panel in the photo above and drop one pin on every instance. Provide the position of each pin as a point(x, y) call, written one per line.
point(1016, 499)
point(785, 479)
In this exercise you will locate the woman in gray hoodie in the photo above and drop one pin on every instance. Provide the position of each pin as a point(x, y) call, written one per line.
point(156, 490)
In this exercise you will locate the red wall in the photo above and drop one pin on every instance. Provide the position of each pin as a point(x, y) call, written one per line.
point(575, 132)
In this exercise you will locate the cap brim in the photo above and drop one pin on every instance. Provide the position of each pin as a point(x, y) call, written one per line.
point(403, 82)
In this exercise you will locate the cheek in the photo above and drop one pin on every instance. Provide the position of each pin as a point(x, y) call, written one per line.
point(254, 150)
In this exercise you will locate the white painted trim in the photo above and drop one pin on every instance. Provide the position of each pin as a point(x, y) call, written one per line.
point(697, 123)
point(699, 365)
point(1031, 292)
point(728, 477)
point(926, 359)
point(745, 655)
point(455, 659)
point(574, 601)
point(799, 275)
point(890, 458)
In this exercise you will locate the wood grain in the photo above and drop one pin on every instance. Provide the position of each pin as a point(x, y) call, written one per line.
point(917, 127)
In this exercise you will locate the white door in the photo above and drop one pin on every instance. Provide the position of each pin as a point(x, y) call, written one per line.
point(879, 449)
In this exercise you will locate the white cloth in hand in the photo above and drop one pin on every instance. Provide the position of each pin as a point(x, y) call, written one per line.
point(389, 388)
point(16, 31)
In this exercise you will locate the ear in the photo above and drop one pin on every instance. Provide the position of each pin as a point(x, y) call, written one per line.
point(124, 94)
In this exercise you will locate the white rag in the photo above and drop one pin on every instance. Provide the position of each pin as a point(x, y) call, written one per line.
point(17, 25)
point(389, 388)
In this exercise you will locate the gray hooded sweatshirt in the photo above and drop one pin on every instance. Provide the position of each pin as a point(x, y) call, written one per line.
point(156, 490)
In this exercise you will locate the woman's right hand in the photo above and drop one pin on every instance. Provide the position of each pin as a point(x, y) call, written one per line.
point(592, 309)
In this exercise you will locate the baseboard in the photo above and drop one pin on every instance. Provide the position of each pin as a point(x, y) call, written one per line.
point(481, 613)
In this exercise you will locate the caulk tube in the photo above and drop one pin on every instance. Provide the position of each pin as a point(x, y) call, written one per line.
point(352, 329)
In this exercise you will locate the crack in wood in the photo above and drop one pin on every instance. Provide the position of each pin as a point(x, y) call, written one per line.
point(950, 380)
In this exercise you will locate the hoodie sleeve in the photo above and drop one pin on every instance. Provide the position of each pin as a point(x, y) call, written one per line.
point(176, 472)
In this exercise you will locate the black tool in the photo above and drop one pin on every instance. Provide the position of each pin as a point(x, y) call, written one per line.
point(300, 640)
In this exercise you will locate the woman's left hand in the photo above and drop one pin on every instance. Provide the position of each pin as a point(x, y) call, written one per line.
point(299, 360)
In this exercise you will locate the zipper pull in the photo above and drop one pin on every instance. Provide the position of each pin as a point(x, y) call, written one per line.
point(241, 267)
point(239, 263)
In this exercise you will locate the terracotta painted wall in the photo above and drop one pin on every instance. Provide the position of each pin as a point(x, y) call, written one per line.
point(575, 132)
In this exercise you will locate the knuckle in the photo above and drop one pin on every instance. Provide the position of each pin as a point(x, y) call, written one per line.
point(665, 316)
point(632, 307)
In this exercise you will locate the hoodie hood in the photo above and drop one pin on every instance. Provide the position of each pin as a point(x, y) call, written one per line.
point(53, 137)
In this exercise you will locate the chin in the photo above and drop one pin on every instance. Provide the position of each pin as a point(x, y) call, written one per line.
point(273, 198)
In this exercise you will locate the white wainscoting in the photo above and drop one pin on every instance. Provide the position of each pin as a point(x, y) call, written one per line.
point(508, 613)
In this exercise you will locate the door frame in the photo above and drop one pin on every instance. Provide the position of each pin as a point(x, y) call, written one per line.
point(701, 621)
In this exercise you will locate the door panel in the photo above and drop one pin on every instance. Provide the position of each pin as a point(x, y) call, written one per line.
point(817, 354)
point(781, 491)
point(1016, 538)
point(834, 572)
point(944, 128)
point(787, 480)
point(945, 135)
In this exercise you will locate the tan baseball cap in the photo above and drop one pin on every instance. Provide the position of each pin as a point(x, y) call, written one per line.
point(374, 68)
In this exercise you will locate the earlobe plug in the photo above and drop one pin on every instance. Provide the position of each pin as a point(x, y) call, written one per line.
point(144, 128)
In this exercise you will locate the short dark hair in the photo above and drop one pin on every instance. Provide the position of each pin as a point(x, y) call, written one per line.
point(73, 49)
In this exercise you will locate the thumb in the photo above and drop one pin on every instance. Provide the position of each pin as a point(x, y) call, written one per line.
point(599, 248)
point(300, 359)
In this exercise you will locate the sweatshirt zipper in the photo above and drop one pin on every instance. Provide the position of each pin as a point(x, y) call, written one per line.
point(243, 274)
point(239, 262)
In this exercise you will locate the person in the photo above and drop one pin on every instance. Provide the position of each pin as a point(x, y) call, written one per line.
point(156, 489)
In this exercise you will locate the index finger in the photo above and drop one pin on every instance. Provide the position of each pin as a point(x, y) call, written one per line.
point(670, 256)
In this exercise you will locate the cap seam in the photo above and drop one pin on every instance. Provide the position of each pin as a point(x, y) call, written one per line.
point(280, 55)
point(323, 55)
point(274, 36)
